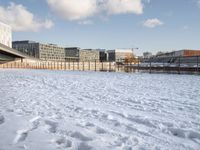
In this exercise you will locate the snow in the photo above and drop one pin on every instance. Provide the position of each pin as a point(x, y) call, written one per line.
point(48, 110)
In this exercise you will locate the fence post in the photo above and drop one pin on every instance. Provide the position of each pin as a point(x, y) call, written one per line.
point(109, 66)
point(68, 65)
point(95, 66)
point(197, 63)
point(150, 66)
point(65, 64)
point(102, 66)
point(73, 65)
point(179, 65)
point(89, 66)
point(163, 66)
point(78, 65)
point(83, 66)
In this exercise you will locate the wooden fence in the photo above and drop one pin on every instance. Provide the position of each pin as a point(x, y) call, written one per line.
point(166, 65)
point(81, 66)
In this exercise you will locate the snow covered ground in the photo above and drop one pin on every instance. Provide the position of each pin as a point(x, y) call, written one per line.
point(48, 110)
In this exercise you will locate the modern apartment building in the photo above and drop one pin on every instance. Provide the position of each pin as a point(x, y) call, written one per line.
point(51, 52)
point(88, 55)
point(103, 56)
point(72, 53)
point(78, 54)
point(5, 35)
point(48, 52)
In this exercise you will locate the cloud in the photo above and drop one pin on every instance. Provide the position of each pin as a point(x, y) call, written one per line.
point(73, 9)
point(124, 6)
point(152, 23)
point(148, 1)
point(185, 27)
point(83, 9)
point(20, 19)
point(198, 3)
point(86, 22)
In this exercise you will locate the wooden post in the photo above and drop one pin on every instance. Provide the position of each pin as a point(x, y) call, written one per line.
point(197, 63)
point(150, 66)
point(73, 65)
point(83, 66)
point(101, 66)
point(69, 65)
point(78, 64)
point(95, 66)
point(89, 65)
point(109, 66)
point(118, 67)
point(163, 66)
point(179, 65)
point(65, 64)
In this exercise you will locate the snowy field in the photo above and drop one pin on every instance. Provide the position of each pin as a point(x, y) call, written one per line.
point(49, 110)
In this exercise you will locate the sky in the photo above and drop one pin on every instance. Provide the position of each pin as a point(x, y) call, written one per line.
point(149, 25)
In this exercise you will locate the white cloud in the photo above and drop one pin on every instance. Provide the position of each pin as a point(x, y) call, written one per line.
point(124, 6)
point(86, 22)
point(83, 9)
point(185, 27)
point(20, 19)
point(148, 1)
point(152, 23)
point(73, 9)
point(198, 3)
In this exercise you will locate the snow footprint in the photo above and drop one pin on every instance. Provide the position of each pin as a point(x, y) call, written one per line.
point(2, 119)
point(35, 123)
point(21, 136)
point(51, 126)
point(126, 142)
point(184, 133)
point(91, 126)
point(80, 136)
point(100, 130)
point(84, 146)
point(63, 142)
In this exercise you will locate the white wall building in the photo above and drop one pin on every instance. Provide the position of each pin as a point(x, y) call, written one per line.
point(5, 35)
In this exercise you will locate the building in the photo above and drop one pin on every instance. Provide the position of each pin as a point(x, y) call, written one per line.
point(147, 54)
point(187, 52)
point(111, 55)
point(89, 55)
point(78, 54)
point(72, 53)
point(120, 54)
point(103, 55)
point(48, 52)
point(5, 35)
point(184, 52)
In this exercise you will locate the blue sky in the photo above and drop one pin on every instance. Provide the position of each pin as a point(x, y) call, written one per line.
point(150, 25)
